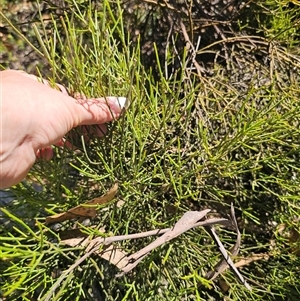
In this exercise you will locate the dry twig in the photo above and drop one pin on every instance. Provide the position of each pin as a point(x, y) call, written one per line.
point(226, 261)
point(125, 263)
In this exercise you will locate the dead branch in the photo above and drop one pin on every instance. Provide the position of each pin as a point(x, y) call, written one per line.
point(226, 261)
point(126, 263)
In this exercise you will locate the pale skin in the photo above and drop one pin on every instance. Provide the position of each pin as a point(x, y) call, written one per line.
point(34, 116)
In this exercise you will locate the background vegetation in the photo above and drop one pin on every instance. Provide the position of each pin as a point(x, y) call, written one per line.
point(213, 120)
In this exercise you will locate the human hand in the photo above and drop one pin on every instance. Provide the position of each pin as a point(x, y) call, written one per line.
point(35, 116)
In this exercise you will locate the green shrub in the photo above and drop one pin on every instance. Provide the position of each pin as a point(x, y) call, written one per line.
point(209, 125)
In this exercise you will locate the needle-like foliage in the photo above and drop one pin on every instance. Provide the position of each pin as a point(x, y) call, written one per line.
point(213, 120)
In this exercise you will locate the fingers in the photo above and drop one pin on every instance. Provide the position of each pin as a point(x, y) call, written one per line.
point(87, 111)
point(45, 153)
point(68, 112)
point(73, 140)
point(74, 137)
point(99, 110)
point(91, 111)
point(98, 130)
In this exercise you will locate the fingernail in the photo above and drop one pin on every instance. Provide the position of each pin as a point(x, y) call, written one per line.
point(121, 102)
point(117, 104)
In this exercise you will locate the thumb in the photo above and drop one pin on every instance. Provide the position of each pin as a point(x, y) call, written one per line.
point(98, 110)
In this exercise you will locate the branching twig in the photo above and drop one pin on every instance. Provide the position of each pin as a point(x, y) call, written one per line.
point(189, 220)
point(186, 222)
point(110, 240)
